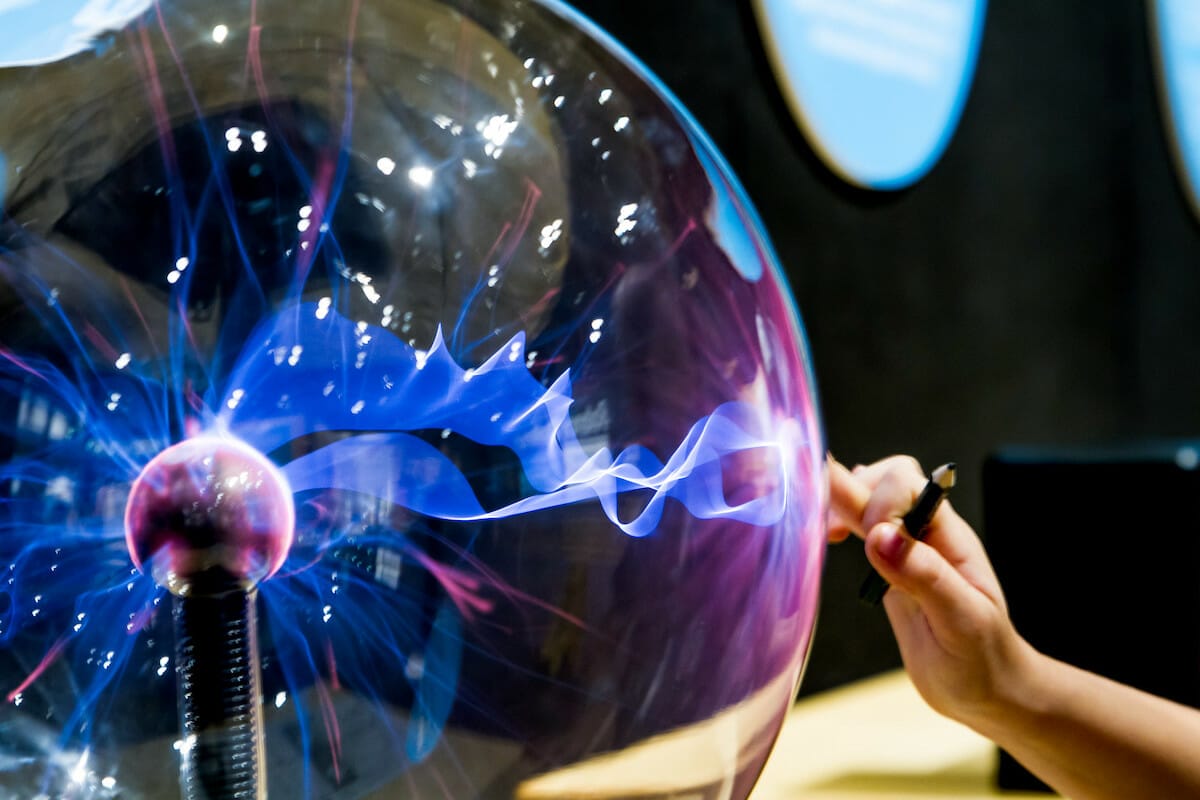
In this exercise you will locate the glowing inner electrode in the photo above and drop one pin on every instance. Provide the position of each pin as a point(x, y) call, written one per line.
point(209, 507)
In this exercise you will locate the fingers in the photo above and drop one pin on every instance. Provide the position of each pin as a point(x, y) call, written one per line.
point(871, 474)
point(896, 483)
point(848, 498)
point(861, 499)
point(924, 576)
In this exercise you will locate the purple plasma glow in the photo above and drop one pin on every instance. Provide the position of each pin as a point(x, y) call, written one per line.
point(442, 324)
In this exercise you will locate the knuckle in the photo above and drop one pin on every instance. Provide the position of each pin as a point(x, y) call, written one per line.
point(908, 466)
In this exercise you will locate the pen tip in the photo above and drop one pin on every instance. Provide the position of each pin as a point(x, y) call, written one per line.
point(944, 476)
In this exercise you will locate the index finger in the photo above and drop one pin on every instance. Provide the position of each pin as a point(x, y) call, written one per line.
point(848, 499)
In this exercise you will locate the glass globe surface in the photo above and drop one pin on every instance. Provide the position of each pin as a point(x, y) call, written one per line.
point(510, 333)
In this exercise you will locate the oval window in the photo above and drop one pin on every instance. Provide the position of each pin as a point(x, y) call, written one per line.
point(876, 85)
point(1176, 32)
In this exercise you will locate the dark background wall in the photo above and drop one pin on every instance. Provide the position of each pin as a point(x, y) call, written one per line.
point(1041, 285)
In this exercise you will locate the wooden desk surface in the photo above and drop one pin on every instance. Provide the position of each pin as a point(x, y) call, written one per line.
point(877, 739)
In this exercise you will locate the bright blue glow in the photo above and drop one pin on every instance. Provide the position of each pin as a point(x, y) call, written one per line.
point(1177, 25)
point(733, 219)
point(310, 370)
point(41, 31)
point(877, 87)
point(317, 371)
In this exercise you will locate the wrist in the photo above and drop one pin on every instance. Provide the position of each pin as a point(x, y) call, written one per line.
point(1022, 693)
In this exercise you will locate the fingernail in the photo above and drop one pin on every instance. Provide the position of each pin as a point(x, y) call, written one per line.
point(890, 543)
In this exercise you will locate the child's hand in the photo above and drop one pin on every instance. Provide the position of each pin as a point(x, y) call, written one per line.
point(945, 605)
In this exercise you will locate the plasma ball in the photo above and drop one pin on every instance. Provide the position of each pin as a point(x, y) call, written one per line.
point(209, 514)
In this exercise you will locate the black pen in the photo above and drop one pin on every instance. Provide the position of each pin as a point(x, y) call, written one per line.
point(916, 522)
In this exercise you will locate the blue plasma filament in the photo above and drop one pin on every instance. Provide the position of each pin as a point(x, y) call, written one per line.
point(308, 371)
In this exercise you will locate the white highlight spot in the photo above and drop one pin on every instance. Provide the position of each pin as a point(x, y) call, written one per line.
point(414, 668)
point(385, 165)
point(605, 94)
point(625, 220)
point(123, 361)
point(421, 176)
point(551, 233)
point(496, 129)
point(220, 33)
point(621, 124)
point(79, 771)
point(235, 397)
point(280, 699)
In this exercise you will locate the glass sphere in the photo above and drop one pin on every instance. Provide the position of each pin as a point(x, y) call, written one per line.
point(507, 328)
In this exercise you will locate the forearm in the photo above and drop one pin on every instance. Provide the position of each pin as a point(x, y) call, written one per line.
point(1093, 739)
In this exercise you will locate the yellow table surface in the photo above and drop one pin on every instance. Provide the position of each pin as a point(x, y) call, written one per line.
point(877, 739)
point(872, 739)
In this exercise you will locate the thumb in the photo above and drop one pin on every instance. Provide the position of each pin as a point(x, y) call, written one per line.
point(918, 570)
